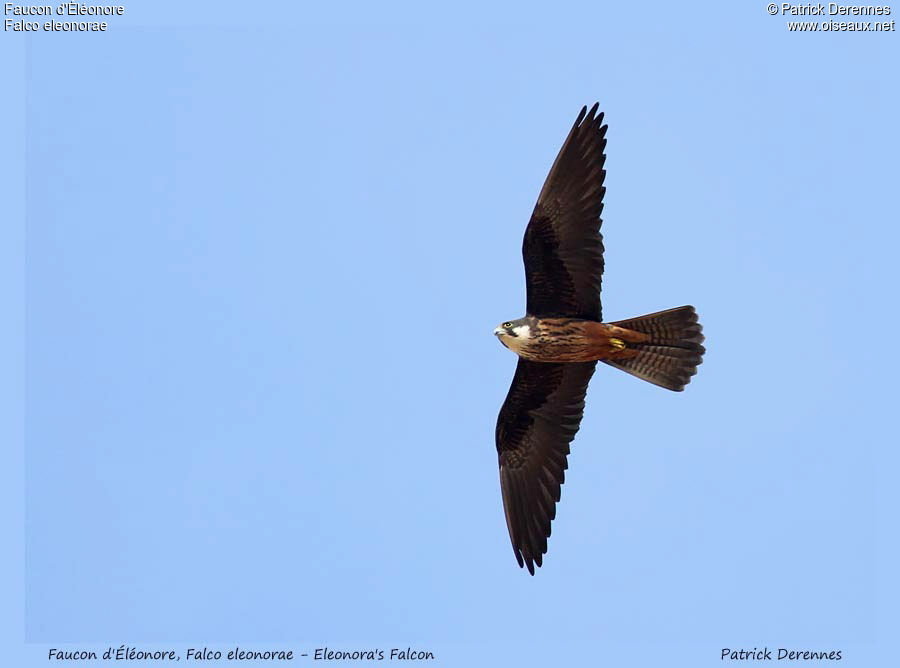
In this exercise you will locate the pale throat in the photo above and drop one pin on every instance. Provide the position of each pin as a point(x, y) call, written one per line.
point(522, 331)
point(517, 342)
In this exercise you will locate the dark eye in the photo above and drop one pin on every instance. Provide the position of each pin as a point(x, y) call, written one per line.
point(506, 325)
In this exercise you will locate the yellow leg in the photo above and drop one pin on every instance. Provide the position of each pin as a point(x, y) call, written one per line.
point(617, 344)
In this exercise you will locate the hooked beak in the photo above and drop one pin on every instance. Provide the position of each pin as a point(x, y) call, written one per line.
point(498, 331)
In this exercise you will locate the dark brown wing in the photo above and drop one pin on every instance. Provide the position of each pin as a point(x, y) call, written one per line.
point(539, 419)
point(563, 249)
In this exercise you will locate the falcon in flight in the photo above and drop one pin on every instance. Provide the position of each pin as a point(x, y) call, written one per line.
point(562, 337)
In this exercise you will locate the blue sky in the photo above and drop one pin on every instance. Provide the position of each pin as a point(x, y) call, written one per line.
point(252, 267)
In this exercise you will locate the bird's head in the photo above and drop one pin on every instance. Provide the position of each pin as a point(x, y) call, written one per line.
point(514, 333)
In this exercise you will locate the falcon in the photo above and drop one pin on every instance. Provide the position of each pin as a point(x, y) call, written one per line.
point(562, 337)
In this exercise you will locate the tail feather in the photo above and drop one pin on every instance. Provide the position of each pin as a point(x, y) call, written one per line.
point(673, 353)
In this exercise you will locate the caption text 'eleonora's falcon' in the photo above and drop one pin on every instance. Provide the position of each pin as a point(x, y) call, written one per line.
point(561, 338)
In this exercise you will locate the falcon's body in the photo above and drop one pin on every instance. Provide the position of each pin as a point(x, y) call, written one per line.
point(561, 339)
point(568, 340)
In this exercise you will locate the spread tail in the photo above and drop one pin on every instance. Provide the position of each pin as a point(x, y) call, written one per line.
point(672, 354)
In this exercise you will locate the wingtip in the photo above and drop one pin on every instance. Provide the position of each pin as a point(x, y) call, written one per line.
point(581, 115)
point(592, 117)
point(524, 562)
